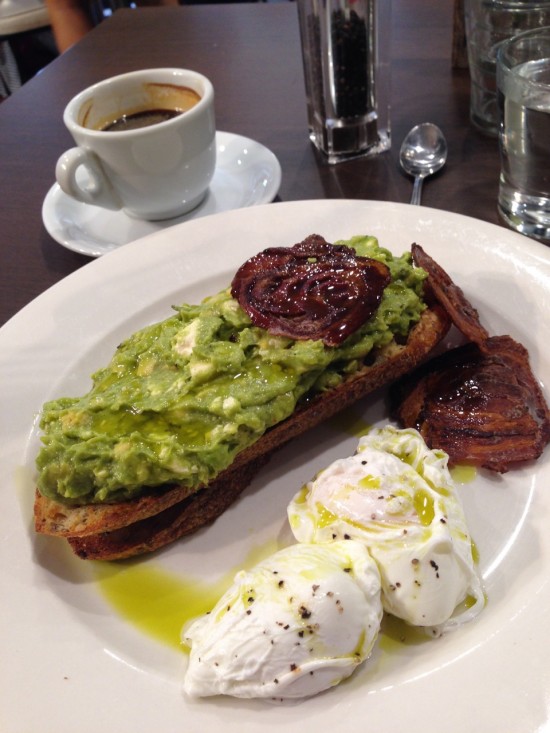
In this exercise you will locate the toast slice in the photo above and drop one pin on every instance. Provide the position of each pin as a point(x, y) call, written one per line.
point(123, 529)
point(183, 518)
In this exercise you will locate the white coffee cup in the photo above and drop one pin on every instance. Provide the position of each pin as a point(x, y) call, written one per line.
point(156, 171)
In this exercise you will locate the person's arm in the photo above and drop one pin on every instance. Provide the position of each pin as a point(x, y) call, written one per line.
point(69, 20)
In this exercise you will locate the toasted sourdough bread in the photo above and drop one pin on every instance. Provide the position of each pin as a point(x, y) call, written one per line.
point(124, 529)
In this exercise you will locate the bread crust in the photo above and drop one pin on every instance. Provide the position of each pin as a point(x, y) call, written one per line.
point(178, 510)
point(189, 515)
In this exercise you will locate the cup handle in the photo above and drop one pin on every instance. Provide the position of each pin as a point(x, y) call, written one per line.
point(98, 192)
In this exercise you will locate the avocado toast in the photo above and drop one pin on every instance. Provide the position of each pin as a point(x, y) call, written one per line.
point(189, 409)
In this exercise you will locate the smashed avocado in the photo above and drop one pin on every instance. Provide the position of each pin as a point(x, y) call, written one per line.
point(182, 397)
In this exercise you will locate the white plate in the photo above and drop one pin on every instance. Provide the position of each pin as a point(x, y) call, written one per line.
point(247, 174)
point(70, 663)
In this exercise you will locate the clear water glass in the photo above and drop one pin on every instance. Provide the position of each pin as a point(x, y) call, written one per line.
point(487, 23)
point(523, 84)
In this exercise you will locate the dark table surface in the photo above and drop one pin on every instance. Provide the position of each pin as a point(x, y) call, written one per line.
point(251, 52)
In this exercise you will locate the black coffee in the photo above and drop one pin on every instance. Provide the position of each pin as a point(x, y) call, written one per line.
point(137, 120)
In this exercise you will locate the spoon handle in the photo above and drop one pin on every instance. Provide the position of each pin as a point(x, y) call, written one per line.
point(417, 190)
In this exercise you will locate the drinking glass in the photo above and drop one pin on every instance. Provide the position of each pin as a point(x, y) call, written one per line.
point(487, 23)
point(523, 82)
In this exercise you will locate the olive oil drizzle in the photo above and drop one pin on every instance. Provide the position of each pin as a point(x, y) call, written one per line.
point(158, 602)
point(463, 474)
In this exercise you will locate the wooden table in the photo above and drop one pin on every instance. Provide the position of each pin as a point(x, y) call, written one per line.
point(251, 52)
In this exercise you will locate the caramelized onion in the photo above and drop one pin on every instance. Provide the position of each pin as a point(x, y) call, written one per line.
point(313, 290)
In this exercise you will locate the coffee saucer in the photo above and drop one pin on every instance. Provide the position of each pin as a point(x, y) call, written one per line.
point(247, 174)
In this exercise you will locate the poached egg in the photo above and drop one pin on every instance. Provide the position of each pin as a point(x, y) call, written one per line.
point(296, 624)
point(397, 497)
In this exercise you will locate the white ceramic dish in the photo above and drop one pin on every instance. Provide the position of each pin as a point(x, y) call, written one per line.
point(71, 663)
point(247, 174)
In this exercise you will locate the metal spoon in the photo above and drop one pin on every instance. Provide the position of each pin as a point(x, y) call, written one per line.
point(423, 152)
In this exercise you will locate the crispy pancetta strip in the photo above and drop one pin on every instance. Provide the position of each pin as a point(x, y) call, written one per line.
point(482, 406)
point(462, 313)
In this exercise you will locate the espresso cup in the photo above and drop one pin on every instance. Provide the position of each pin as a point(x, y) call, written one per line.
point(145, 143)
